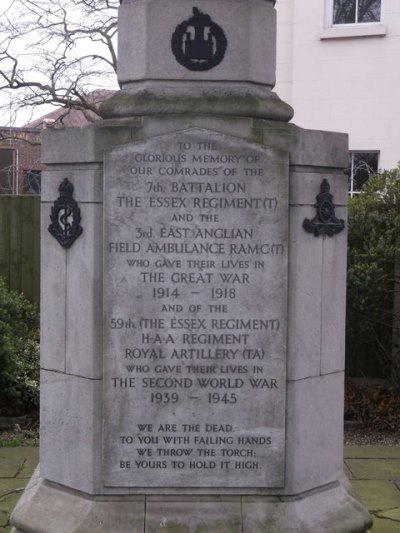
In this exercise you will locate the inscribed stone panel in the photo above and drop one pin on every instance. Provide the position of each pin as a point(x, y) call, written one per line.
point(195, 297)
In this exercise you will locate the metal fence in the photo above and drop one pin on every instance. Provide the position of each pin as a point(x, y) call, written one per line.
point(20, 244)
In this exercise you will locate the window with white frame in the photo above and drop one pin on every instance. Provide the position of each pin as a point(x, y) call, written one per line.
point(356, 11)
point(362, 165)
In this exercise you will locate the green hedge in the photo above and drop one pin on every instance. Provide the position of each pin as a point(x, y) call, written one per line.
point(19, 352)
point(373, 252)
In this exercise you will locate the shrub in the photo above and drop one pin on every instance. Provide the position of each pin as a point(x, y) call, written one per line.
point(19, 352)
point(373, 253)
point(372, 404)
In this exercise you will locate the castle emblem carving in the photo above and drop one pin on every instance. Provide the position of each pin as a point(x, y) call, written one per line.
point(198, 43)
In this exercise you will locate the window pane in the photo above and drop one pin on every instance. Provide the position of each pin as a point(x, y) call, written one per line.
point(369, 10)
point(32, 180)
point(7, 170)
point(365, 164)
point(344, 11)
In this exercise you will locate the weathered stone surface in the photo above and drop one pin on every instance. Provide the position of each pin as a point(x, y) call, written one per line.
point(153, 125)
point(304, 309)
point(168, 311)
point(88, 183)
point(317, 278)
point(333, 300)
point(53, 293)
point(304, 187)
point(71, 423)
point(235, 100)
point(319, 148)
point(314, 432)
point(47, 508)
point(325, 511)
point(83, 343)
point(218, 515)
point(376, 495)
point(146, 29)
point(71, 297)
point(82, 145)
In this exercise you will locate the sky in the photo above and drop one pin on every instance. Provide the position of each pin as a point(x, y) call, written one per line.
point(24, 116)
point(4, 96)
point(7, 118)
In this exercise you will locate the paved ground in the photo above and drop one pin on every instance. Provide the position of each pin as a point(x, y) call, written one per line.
point(374, 471)
point(16, 468)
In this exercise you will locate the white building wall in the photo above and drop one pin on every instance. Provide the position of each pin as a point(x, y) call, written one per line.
point(339, 81)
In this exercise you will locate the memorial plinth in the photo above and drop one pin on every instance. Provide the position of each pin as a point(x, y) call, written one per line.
point(193, 327)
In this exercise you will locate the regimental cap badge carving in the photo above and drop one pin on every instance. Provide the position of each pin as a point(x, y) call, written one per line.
point(198, 43)
point(325, 221)
point(65, 216)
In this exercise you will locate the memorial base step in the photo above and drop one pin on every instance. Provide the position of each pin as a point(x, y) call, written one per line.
point(46, 508)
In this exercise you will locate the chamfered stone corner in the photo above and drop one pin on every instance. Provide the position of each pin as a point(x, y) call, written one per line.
point(333, 309)
point(304, 298)
point(325, 510)
point(47, 507)
point(52, 295)
point(83, 344)
point(71, 421)
point(314, 432)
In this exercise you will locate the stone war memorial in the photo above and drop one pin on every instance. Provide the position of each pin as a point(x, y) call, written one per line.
point(193, 295)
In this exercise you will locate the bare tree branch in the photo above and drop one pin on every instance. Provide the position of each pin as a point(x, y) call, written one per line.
point(57, 52)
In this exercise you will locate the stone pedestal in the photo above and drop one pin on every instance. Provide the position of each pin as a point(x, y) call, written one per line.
point(89, 479)
point(315, 495)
